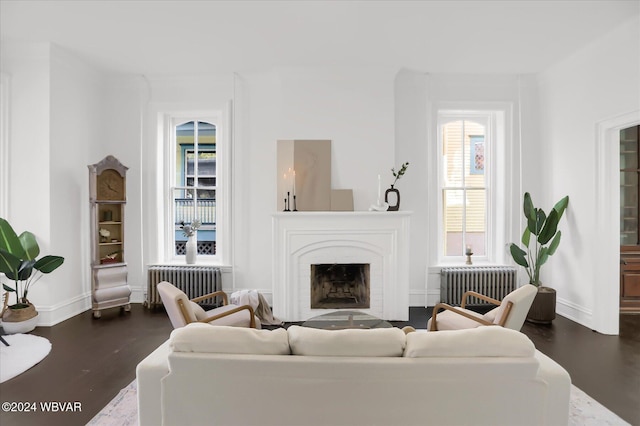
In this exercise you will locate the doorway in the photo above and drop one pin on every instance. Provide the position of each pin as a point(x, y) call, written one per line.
point(606, 312)
point(630, 219)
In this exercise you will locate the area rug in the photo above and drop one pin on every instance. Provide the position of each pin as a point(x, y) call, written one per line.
point(24, 352)
point(583, 410)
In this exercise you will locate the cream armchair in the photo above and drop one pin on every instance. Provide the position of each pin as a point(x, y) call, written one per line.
point(183, 311)
point(510, 313)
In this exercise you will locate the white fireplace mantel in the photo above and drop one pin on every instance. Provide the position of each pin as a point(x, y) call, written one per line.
point(380, 239)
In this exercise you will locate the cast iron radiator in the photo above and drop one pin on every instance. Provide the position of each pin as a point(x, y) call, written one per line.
point(492, 281)
point(193, 280)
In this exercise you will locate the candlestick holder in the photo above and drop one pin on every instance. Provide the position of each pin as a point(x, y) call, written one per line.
point(286, 206)
point(295, 209)
point(468, 262)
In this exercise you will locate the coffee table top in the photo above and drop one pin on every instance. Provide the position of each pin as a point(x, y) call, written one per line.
point(340, 320)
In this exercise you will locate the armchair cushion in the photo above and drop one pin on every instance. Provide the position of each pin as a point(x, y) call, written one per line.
point(200, 337)
point(485, 341)
point(198, 311)
point(448, 320)
point(239, 319)
point(173, 298)
point(491, 315)
point(379, 342)
point(522, 298)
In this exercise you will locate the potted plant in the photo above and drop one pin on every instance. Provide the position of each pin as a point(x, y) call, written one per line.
point(397, 175)
point(19, 263)
point(545, 241)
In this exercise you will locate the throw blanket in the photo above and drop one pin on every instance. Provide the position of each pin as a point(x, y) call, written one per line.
point(259, 304)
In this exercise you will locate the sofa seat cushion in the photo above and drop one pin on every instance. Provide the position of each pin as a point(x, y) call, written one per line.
point(200, 337)
point(379, 342)
point(486, 341)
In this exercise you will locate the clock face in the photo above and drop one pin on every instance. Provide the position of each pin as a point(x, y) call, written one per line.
point(110, 185)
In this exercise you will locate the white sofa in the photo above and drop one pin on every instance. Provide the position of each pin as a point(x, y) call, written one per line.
point(217, 375)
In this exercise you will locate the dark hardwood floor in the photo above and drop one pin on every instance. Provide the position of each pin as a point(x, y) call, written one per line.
point(91, 360)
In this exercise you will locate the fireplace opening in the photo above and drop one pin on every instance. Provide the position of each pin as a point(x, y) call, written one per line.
point(339, 285)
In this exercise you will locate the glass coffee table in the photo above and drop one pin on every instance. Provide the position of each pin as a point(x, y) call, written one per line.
point(341, 320)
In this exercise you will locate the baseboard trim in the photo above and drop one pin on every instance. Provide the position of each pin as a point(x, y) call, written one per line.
point(52, 315)
point(574, 312)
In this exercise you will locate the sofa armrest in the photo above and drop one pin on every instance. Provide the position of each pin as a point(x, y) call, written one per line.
point(558, 388)
point(149, 374)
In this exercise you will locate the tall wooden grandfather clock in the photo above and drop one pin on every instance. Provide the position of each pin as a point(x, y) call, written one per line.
point(108, 198)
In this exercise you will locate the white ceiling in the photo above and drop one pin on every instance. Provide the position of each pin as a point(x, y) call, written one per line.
point(185, 37)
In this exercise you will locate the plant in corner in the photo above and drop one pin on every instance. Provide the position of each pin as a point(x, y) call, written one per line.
point(19, 263)
point(540, 238)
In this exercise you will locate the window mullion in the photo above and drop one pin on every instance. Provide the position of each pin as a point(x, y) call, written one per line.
point(196, 160)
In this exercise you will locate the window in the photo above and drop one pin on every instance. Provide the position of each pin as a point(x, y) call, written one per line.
point(466, 141)
point(194, 185)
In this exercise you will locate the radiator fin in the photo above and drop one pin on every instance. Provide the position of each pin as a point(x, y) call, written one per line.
point(193, 280)
point(492, 281)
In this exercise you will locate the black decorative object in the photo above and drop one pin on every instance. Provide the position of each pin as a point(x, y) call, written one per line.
point(295, 209)
point(392, 207)
point(397, 175)
point(287, 202)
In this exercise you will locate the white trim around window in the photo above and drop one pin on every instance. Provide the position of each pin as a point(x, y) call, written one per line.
point(497, 117)
point(161, 177)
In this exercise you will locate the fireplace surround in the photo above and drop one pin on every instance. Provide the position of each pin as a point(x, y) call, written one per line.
point(379, 240)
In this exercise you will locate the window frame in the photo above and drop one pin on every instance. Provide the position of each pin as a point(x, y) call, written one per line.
point(497, 116)
point(446, 117)
point(167, 122)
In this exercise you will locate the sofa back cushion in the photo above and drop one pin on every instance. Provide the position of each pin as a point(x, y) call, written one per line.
point(200, 337)
point(379, 342)
point(485, 341)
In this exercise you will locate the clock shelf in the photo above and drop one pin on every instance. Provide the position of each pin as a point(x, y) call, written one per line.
point(107, 201)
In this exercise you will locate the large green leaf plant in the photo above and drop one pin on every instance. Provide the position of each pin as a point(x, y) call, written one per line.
point(18, 261)
point(546, 237)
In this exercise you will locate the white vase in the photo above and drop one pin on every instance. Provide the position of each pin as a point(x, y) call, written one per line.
point(191, 250)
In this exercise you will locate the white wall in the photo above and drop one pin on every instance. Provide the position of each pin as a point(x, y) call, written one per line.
point(411, 144)
point(353, 107)
point(597, 83)
point(76, 124)
point(124, 101)
point(55, 117)
point(27, 66)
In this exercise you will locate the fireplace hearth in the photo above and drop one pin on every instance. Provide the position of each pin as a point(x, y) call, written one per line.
point(337, 286)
